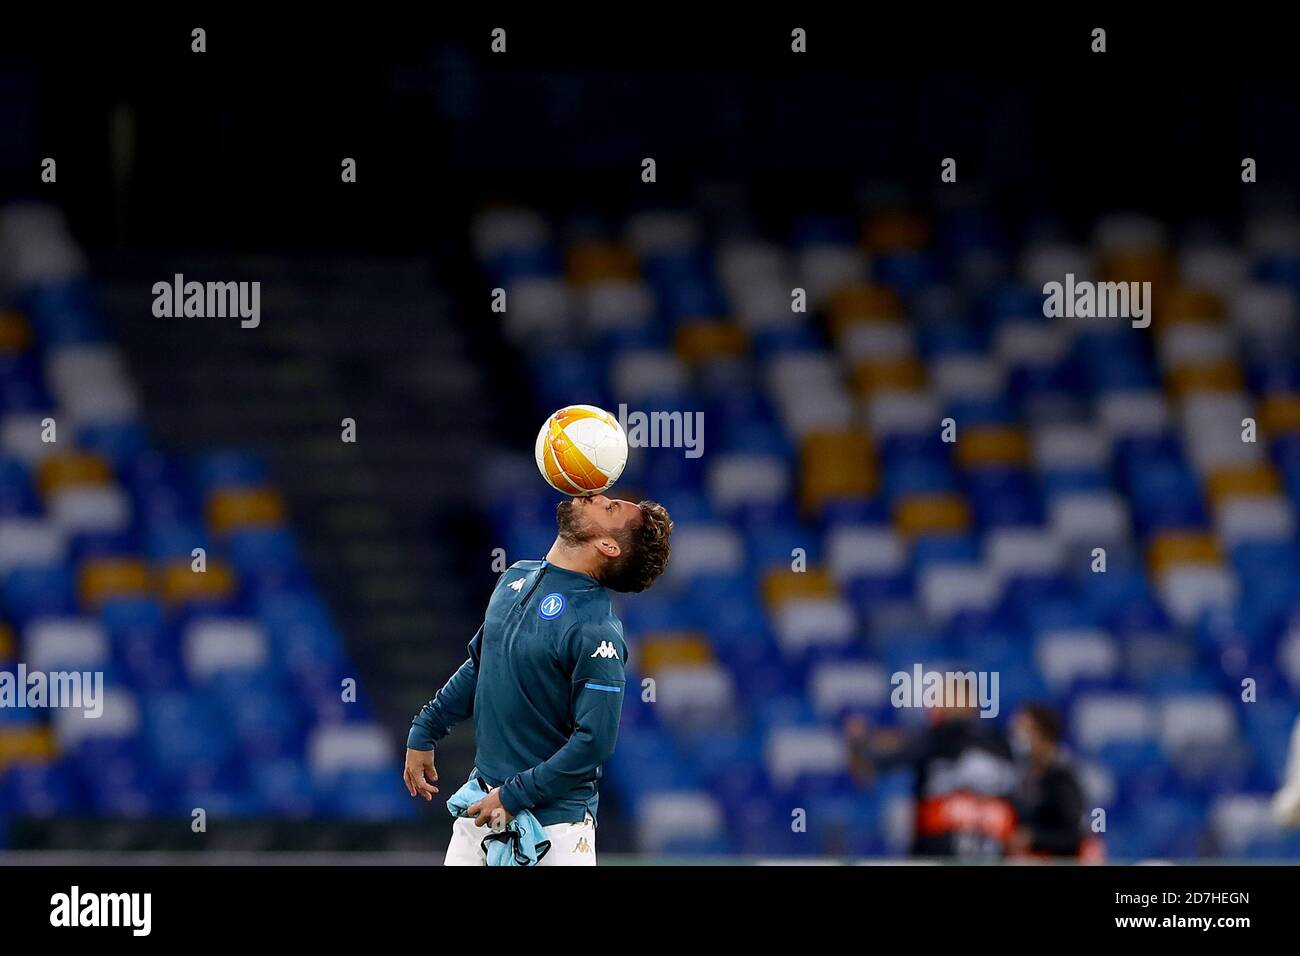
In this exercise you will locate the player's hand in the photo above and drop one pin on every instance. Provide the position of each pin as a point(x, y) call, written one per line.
point(489, 811)
point(419, 774)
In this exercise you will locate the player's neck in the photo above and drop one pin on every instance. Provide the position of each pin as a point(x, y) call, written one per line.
point(571, 558)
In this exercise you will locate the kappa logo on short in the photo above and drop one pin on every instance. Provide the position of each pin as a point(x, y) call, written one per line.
point(606, 649)
point(582, 846)
point(552, 606)
point(516, 585)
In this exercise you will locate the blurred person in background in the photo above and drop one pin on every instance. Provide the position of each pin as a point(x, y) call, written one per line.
point(964, 779)
point(1049, 798)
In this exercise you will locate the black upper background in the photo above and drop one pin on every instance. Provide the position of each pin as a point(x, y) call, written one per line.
point(238, 149)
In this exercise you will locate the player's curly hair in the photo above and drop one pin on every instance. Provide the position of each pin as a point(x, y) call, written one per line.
point(645, 548)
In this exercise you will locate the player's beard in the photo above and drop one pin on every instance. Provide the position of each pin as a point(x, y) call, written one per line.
point(568, 521)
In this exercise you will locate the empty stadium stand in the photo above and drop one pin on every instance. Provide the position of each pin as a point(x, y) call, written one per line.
point(824, 442)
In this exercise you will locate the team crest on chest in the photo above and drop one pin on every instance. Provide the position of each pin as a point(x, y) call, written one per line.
point(552, 606)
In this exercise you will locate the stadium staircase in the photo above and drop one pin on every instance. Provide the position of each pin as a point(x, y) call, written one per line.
point(382, 521)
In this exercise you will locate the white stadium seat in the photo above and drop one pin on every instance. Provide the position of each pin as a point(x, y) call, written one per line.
point(792, 753)
point(854, 551)
point(1024, 551)
point(903, 413)
point(1199, 722)
point(700, 695)
point(215, 644)
point(736, 479)
point(26, 542)
point(705, 550)
point(65, 643)
point(537, 306)
point(335, 748)
point(802, 623)
point(79, 508)
point(644, 373)
point(119, 719)
point(946, 589)
point(1066, 656)
point(504, 230)
point(824, 268)
point(656, 232)
point(1103, 718)
point(615, 306)
point(1190, 590)
point(671, 816)
point(837, 685)
point(1089, 516)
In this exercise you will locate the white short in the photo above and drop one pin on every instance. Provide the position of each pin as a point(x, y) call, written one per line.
point(572, 844)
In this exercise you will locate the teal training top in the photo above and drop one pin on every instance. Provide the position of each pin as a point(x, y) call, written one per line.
point(544, 683)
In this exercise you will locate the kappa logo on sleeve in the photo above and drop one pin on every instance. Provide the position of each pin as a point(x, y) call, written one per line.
point(606, 649)
point(516, 585)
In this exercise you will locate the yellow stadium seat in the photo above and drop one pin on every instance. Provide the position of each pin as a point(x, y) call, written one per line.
point(1244, 481)
point(895, 232)
point(1154, 266)
point(1224, 375)
point(1279, 413)
point(63, 469)
point(931, 513)
point(15, 335)
point(785, 585)
point(862, 302)
point(706, 339)
point(663, 649)
point(1186, 304)
point(838, 464)
point(232, 508)
point(590, 262)
point(903, 374)
point(112, 577)
point(992, 445)
point(1172, 548)
point(26, 744)
point(181, 583)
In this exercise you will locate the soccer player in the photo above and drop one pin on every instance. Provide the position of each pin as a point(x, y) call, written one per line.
point(544, 681)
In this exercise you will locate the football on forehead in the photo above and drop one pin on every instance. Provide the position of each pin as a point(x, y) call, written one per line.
point(581, 450)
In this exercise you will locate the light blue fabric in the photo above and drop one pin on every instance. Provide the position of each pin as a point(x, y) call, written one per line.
point(522, 843)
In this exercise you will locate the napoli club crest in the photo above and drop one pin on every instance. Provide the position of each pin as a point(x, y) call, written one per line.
point(552, 606)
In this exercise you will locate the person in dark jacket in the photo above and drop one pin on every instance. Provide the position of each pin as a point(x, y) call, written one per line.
point(964, 779)
point(1049, 799)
